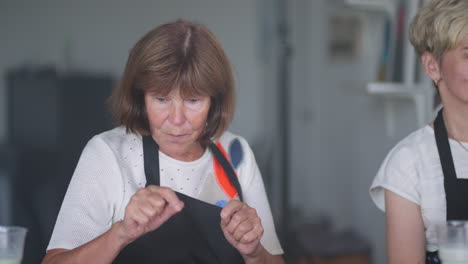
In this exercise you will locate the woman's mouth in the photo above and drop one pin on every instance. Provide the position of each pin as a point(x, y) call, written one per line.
point(177, 137)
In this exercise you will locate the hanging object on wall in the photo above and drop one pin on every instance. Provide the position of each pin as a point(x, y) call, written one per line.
point(344, 41)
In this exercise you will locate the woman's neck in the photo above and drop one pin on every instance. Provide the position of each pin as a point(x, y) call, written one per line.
point(185, 155)
point(456, 121)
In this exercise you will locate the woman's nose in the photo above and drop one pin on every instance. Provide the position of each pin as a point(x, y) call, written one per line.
point(177, 113)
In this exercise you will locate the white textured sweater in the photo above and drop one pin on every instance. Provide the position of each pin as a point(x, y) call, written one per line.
point(110, 171)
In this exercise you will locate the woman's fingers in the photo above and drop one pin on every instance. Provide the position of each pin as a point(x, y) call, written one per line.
point(255, 233)
point(150, 207)
point(241, 222)
point(168, 212)
point(168, 195)
point(235, 220)
point(145, 205)
point(242, 229)
point(229, 210)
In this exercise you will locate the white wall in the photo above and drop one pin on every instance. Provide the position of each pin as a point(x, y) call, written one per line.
point(339, 132)
point(102, 32)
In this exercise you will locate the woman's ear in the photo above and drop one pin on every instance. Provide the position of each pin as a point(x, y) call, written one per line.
point(431, 66)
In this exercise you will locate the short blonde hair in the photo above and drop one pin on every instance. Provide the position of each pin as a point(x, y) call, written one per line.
point(177, 55)
point(439, 26)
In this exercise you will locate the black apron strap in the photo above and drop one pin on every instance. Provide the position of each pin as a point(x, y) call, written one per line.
point(227, 168)
point(151, 160)
point(446, 160)
point(455, 189)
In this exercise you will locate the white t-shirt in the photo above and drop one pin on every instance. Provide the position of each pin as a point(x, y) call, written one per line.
point(412, 170)
point(110, 171)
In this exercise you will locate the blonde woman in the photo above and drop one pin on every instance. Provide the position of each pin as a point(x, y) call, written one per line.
point(423, 181)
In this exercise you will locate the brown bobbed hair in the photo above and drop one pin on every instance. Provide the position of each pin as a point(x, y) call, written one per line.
point(177, 55)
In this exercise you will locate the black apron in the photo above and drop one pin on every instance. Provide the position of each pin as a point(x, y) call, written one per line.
point(191, 236)
point(455, 189)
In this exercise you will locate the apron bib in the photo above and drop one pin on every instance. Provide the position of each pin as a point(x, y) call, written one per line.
point(192, 236)
point(455, 189)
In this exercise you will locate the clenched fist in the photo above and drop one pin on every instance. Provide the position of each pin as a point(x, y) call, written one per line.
point(147, 210)
point(242, 227)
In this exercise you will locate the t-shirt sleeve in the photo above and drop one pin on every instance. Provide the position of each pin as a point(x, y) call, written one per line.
point(255, 196)
point(90, 201)
point(397, 174)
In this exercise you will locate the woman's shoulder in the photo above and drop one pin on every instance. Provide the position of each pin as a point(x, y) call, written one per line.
point(408, 148)
point(228, 137)
point(117, 139)
point(399, 170)
point(403, 163)
point(236, 147)
point(117, 135)
point(232, 140)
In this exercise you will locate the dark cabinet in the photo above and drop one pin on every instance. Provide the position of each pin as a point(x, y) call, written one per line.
point(50, 119)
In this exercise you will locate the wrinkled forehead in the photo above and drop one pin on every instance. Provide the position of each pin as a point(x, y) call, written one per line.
point(191, 78)
point(184, 90)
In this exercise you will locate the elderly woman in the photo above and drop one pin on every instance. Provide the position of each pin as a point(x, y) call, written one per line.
point(170, 184)
point(422, 181)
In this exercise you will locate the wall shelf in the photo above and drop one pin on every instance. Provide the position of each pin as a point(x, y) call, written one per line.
point(416, 89)
point(388, 6)
point(420, 94)
point(394, 90)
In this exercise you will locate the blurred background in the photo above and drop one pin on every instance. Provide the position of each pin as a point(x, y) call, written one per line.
point(325, 89)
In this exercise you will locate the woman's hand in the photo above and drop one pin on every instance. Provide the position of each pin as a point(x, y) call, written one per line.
point(147, 210)
point(242, 228)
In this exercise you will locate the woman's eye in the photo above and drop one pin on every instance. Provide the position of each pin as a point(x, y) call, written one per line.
point(161, 99)
point(193, 100)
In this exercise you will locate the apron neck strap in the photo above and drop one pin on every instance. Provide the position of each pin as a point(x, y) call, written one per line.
point(455, 189)
point(443, 147)
point(151, 160)
point(227, 167)
point(151, 163)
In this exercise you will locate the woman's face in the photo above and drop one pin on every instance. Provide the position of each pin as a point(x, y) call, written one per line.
point(176, 123)
point(454, 73)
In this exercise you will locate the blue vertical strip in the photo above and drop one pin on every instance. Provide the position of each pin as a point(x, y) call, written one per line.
point(236, 153)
